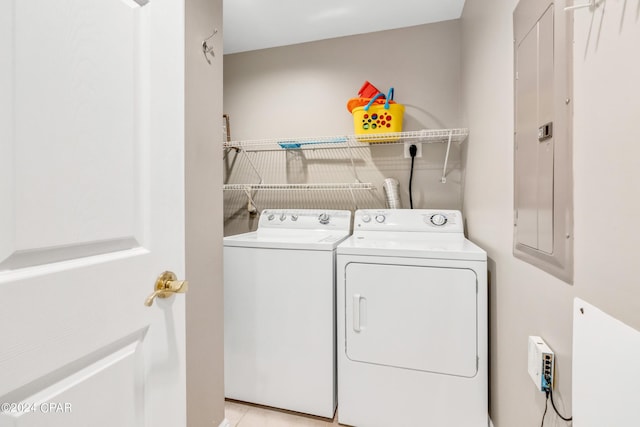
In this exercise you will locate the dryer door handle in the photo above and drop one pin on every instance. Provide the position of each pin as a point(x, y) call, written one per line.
point(356, 312)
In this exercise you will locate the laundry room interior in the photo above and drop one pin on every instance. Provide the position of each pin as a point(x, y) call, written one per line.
point(290, 146)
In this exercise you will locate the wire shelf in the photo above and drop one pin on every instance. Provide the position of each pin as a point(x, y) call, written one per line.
point(446, 136)
point(300, 187)
point(350, 141)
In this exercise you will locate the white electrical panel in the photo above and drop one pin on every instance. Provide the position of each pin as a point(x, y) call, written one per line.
point(543, 204)
point(541, 362)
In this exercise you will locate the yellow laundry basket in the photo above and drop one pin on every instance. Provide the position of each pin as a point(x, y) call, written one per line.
point(378, 119)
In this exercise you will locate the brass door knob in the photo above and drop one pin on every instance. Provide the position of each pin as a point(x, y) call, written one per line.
point(167, 285)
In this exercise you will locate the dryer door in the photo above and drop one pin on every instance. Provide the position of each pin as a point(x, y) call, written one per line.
point(415, 317)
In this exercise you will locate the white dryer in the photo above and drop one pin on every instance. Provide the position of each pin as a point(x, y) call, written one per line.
point(412, 322)
point(279, 310)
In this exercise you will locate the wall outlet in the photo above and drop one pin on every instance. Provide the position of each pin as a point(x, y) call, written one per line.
point(407, 155)
point(541, 363)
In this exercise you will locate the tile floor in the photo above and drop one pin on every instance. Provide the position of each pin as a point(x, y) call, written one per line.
point(240, 414)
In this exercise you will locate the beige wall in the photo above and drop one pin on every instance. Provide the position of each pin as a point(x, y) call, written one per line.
point(203, 97)
point(302, 90)
point(524, 300)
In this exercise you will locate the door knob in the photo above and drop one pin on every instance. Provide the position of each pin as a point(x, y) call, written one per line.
point(167, 285)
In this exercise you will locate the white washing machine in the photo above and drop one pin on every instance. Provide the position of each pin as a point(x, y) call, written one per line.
point(279, 310)
point(412, 322)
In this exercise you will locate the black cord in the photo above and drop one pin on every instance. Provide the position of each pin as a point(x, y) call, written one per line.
point(546, 405)
point(549, 391)
point(413, 149)
point(554, 407)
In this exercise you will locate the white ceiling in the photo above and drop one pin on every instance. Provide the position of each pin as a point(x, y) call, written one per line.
point(259, 24)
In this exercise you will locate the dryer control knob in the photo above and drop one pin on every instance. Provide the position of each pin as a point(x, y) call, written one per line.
point(283, 217)
point(294, 217)
point(380, 218)
point(271, 217)
point(366, 218)
point(323, 218)
point(438, 219)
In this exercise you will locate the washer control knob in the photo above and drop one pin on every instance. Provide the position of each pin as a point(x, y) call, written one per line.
point(380, 218)
point(283, 217)
point(438, 219)
point(294, 217)
point(271, 217)
point(323, 218)
point(366, 218)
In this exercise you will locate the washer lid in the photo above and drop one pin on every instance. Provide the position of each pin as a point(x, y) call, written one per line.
point(318, 240)
point(412, 245)
point(311, 229)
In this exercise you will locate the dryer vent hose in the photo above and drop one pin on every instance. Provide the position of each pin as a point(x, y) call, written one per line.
point(391, 189)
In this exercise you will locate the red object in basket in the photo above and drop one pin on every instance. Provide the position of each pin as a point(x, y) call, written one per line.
point(361, 102)
point(368, 90)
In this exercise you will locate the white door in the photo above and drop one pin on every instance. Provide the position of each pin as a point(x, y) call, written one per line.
point(91, 211)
